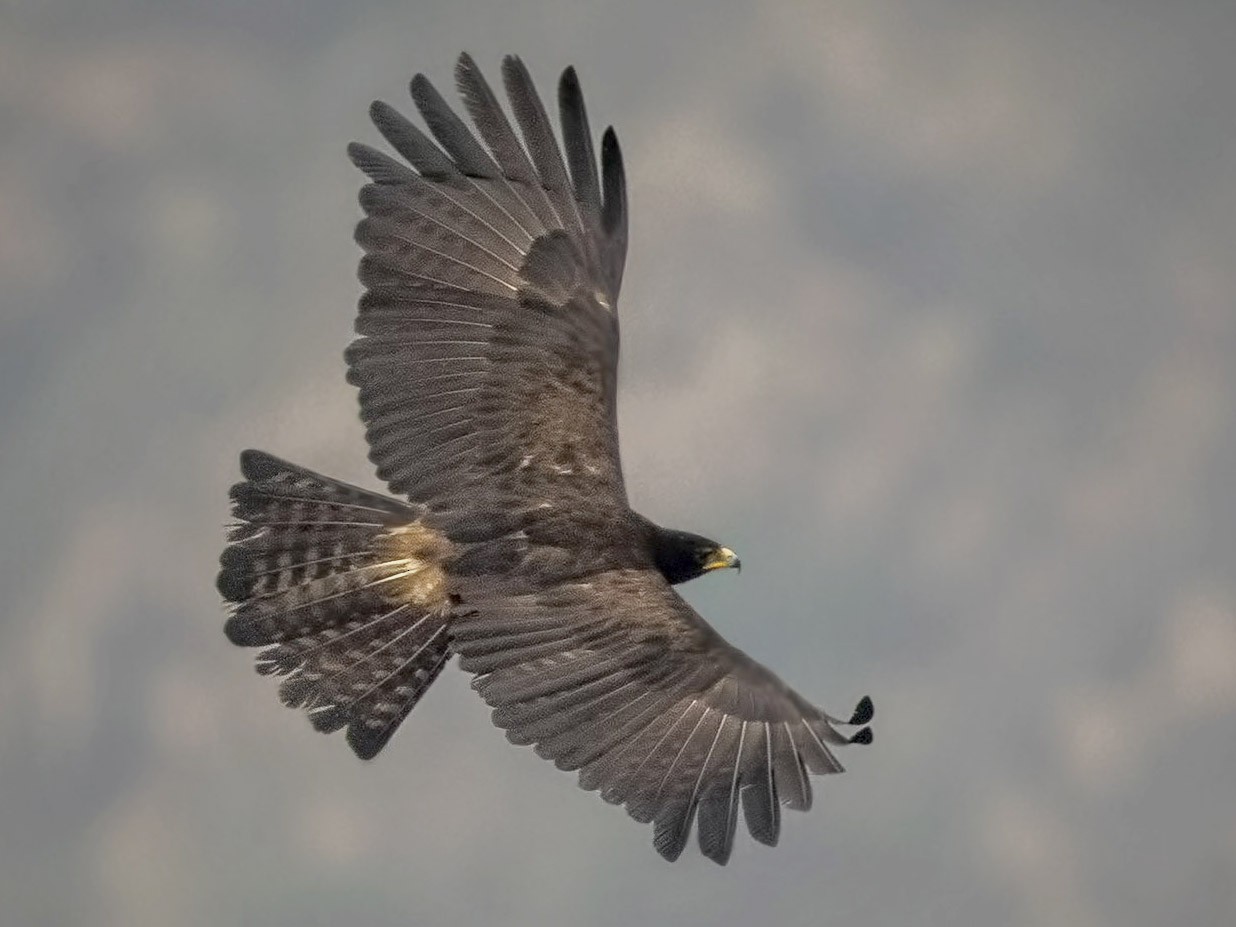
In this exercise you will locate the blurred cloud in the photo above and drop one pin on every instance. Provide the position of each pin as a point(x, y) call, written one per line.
point(1188, 682)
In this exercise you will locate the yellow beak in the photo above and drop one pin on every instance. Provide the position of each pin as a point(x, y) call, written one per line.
point(722, 558)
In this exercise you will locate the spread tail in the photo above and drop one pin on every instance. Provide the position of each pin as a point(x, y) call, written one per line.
point(344, 588)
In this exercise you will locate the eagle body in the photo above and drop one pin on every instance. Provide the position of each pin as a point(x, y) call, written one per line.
point(486, 363)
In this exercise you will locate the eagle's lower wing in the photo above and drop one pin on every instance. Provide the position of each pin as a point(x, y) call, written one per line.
point(487, 362)
point(618, 677)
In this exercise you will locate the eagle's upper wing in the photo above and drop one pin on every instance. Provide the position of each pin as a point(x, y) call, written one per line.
point(487, 362)
point(618, 677)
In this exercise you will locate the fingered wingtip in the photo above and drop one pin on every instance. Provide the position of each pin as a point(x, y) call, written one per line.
point(569, 91)
point(419, 85)
point(465, 66)
point(862, 736)
point(864, 711)
point(379, 110)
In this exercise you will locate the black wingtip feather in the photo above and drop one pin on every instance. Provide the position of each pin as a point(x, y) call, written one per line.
point(577, 141)
point(862, 737)
point(613, 209)
point(864, 711)
point(614, 184)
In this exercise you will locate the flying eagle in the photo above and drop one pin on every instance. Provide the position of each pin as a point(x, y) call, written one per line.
point(487, 363)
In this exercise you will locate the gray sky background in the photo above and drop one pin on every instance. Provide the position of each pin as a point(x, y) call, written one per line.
point(930, 313)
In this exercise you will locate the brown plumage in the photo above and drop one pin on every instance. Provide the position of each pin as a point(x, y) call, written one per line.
point(487, 369)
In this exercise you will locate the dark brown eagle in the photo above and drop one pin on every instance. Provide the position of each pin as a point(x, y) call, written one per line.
point(487, 364)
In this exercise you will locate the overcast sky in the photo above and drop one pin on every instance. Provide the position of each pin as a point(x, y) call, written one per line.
point(930, 314)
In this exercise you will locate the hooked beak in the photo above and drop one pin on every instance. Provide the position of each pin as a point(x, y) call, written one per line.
point(722, 558)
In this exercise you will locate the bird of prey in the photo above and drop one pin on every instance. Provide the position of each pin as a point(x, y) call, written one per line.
point(487, 363)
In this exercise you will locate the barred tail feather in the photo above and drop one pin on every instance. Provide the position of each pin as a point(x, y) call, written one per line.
point(343, 589)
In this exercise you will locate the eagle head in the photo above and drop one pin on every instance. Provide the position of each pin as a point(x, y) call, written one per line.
point(681, 555)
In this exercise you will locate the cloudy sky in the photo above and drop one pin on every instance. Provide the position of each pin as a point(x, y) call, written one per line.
point(963, 273)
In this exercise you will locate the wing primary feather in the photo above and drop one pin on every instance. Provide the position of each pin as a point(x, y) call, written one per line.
point(684, 827)
point(450, 131)
point(673, 814)
point(577, 140)
point(716, 831)
point(595, 725)
point(412, 143)
point(576, 724)
point(789, 760)
point(523, 695)
point(451, 201)
point(825, 762)
point(678, 756)
point(629, 776)
point(469, 155)
point(542, 148)
point(864, 711)
point(614, 210)
point(862, 736)
point(579, 727)
point(496, 130)
point(492, 123)
point(760, 803)
point(599, 761)
point(379, 167)
point(731, 807)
